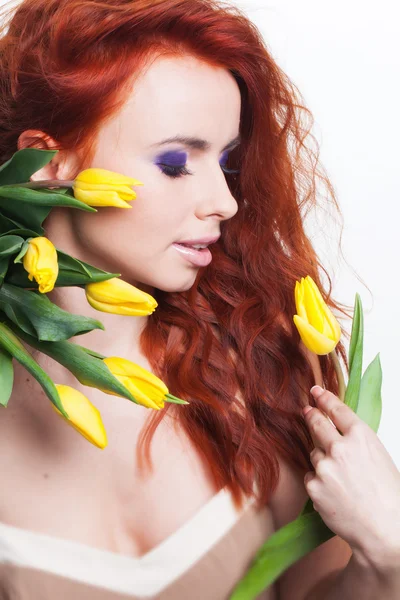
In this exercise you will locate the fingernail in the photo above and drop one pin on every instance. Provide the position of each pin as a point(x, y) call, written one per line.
point(316, 391)
point(306, 410)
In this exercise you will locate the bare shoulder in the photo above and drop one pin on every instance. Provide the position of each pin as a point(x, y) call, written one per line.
point(308, 573)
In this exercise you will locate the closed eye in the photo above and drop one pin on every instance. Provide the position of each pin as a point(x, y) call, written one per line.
point(175, 171)
point(180, 171)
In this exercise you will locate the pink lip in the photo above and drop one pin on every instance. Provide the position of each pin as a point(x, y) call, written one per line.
point(198, 258)
point(205, 240)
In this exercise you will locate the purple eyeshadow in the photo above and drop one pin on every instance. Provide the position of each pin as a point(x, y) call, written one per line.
point(225, 156)
point(172, 158)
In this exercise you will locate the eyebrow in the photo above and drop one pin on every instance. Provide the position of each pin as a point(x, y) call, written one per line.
point(196, 143)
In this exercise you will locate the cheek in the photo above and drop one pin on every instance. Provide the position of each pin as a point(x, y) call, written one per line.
point(159, 213)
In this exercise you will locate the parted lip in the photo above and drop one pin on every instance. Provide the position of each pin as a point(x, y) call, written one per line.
point(205, 240)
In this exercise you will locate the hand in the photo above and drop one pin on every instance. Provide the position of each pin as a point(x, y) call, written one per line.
point(355, 485)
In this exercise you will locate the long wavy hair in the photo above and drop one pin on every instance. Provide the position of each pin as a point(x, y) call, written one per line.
point(228, 345)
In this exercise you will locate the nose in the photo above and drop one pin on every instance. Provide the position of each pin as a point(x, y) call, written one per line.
point(217, 200)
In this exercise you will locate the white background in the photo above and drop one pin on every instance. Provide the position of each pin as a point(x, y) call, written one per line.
point(344, 58)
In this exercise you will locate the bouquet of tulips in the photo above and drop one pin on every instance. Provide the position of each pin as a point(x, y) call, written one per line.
point(31, 266)
point(320, 333)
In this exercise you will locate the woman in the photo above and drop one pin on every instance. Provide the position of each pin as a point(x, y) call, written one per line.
point(113, 85)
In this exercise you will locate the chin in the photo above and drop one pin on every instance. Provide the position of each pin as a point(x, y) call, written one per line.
point(174, 285)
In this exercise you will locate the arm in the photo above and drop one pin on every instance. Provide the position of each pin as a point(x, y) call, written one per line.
point(360, 579)
point(332, 571)
point(372, 572)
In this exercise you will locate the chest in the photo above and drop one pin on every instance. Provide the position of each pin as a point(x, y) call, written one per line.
point(102, 498)
point(104, 501)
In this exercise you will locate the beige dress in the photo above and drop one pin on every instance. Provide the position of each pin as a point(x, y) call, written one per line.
point(203, 560)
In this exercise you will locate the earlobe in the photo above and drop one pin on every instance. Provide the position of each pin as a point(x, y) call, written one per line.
point(49, 171)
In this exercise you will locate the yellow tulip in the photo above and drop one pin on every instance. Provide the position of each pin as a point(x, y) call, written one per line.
point(316, 324)
point(119, 297)
point(146, 387)
point(41, 262)
point(83, 416)
point(99, 187)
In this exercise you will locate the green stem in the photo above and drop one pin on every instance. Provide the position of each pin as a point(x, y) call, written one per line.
point(45, 183)
point(339, 373)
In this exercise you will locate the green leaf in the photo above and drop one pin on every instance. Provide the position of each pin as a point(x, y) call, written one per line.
point(351, 397)
point(6, 376)
point(79, 274)
point(91, 352)
point(64, 191)
point(88, 370)
point(283, 548)
point(6, 225)
point(85, 364)
point(370, 402)
point(175, 400)
point(23, 196)
point(355, 329)
point(23, 164)
point(4, 262)
point(308, 507)
point(45, 319)
point(10, 342)
point(10, 244)
point(22, 252)
point(21, 231)
point(68, 278)
point(25, 215)
point(20, 318)
point(69, 263)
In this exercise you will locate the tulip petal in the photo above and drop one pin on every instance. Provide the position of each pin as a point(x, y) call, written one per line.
point(117, 290)
point(94, 175)
point(41, 263)
point(331, 326)
point(100, 198)
point(147, 388)
point(123, 366)
point(46, 280)
point(299, 299)
point(122, 190)
point(119, 297)
point(83, 416)
point(314, 315)
point(138, 393)
point(313, 339)
point(151, 392)
point(100, 187)
point(138, 310)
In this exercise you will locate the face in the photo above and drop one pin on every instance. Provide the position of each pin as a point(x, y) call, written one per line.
point(185, 195)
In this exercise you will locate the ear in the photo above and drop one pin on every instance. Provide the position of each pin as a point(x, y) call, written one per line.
point(63, 165)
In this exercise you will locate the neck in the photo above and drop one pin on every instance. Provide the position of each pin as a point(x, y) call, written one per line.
point(119, 338)
point(122, 333)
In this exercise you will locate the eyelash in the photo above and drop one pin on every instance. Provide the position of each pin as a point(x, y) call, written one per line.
point(175, 172)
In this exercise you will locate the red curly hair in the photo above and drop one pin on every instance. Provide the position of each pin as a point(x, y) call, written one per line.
point(229, 344)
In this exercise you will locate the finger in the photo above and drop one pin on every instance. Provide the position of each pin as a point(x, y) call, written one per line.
point(309, 476)
point(321, 430)
point(341, 415)
point(316, 455)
